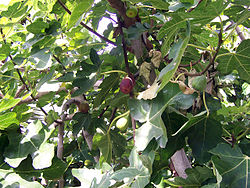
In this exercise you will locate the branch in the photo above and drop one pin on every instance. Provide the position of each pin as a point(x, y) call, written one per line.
point(195, 6)
point(240, 34)
point(87, 27)
point(58, 60)
point(211, 61)
point(124, 47)
point(39, 95)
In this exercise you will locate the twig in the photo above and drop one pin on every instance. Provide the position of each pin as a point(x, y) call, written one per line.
point(211, 61)
point(195, 6)
point(192, 64)
point(240, 34)
point(124, 47)
point(58, 60)
point(133, 126)
point(87, 27)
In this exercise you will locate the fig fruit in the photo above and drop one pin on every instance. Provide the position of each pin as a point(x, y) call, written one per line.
point(122, 124)
point(131, 12)
point(199, 83)
point(127, 85)
point(83, 107)
point(87, 162)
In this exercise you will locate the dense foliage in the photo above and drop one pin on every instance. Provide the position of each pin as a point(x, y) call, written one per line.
point(158, 98)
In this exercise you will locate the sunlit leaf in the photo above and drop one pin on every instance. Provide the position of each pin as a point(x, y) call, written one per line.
point(7, 119)
point(149, 112)
point(78, 10)
point(34, 143)
point(236, 61)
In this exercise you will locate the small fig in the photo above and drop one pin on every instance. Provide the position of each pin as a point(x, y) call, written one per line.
point(122, 124)
point(87, 163)
point(83, 107)
point(199, 83)
point(131, 12)
point(127, 85)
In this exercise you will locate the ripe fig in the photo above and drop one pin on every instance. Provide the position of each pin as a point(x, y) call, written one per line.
point(199, 83)
point(127, 85)
point(83, 107)
point(131, 12)
point(122, 124)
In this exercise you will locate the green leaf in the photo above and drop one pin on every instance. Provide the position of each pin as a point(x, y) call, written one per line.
point(137, 174)
point(85, 83)
point(78, 10)
point(83, 122)
point(4, 51)
point(42, 58)
point(99, 177)
point(6, 104)
point(16, 10)
point(95, 58)
point(232, 165)
point(106, 86)
point(68, 77)
point(103, 142)
point(56, 170)
point(7, 119)
point(37, 26)
point(204, 136)
point(176, 52)
point(34, 143)
point(204, 13)
point(8, 178)
point(195, 177)
point(171, 27)
point(236, 61)
point(149, 112)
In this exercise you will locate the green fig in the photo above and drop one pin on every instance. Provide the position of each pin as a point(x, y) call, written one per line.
point(131, 12)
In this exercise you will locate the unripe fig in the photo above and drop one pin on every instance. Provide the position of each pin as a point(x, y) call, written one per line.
point(131, 12)
point(87, 162)
point(122, 123)
point(83, 107)
point(199, 83)
point(127, 85)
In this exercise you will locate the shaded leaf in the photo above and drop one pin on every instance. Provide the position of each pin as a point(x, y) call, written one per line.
point(106, 86)
point(195, 177)
point(232, 165)
point(103, 142)
point(83, 122)
point(176, 53)
point(204, 136)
